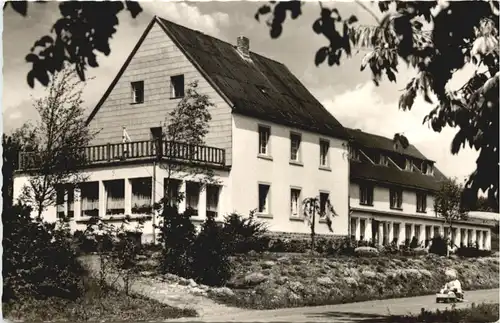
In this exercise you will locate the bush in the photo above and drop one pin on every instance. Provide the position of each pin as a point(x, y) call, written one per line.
point(210, 265)
point(472, 252)
point(245, 234)
point(366, 252)
point(177, 235)
point(476, 313)
point(38, 258)
point(439, 246)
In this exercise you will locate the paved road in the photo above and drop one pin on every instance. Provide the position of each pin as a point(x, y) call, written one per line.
point(350, 313)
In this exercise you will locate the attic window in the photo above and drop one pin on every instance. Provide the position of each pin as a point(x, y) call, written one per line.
point(177, 86)
point(137, 91)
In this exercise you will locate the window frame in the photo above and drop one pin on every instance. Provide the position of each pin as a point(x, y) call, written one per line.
point(174, 84)
point(209, 188)
point(267, 211)
point(423, 197)
point(369, 188)
point(326, 155)
point(263, 131)
point(398, 192)
point(135, 87)
point(295, 135)
point(299, 203)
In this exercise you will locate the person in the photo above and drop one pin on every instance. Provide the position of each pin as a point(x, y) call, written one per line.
point(453, 285)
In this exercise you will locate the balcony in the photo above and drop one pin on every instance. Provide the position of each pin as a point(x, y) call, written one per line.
point(139, 150)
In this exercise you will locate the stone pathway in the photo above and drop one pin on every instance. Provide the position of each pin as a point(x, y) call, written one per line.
point(172, 294)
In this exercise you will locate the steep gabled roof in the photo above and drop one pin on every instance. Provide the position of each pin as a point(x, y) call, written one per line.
point(369, 140)
point(260, 87)
point(391, 175)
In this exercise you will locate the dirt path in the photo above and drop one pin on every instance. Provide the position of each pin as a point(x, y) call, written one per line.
point(350, 313)
point(169, 294)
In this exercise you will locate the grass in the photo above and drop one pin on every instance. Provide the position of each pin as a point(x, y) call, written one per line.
point(95, 305)
point(482, 313)
point(292, 280)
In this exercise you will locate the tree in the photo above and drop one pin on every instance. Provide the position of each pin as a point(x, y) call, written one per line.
point(448, 203)
point(55, 143)
point(313, 206)
point(424, 35)
point(83, 30)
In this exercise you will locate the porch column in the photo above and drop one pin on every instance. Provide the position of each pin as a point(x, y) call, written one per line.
point(412, 232)
point(368, 230)
point(202, 202)
point(479, 240)
point(473, 238)
point(465, 237)
point(421, 236)
point(455, 236)
point(182, 192)
point(390, 231)
point(357, 232)
point(77, 208)
point(487, 245)
point(381, 226)
point(128, 196)
point(402, 233)
point(102, 199)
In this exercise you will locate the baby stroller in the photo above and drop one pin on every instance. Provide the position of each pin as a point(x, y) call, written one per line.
point(446, 295)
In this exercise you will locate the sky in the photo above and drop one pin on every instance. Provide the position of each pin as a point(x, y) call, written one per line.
point(348, 93)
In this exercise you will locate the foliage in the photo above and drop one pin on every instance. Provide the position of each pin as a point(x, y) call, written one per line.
point(38, 260)
point(116, 248)
point(83, 30)
point(210, 264)
point(112, 306)
point(472, 252)
point(439, 246)
point(245, 234)
point(177, 235)
point(55, 142)
point(448, 202)
point(423, 35)
point(313, 206)
point(475, 313)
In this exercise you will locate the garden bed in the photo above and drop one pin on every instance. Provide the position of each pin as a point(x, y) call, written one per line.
point(95, 305)
point(278, 280)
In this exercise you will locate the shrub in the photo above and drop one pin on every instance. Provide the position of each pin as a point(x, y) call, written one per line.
point(366, 252)
point(245, 234)
point(177, 235)
point(38, 258)
point(439, 246)
point(472, 252)
point(210, 265)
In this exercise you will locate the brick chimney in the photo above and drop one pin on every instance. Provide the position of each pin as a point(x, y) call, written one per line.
point(243, 46)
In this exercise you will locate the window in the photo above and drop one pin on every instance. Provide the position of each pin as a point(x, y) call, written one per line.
point(427, 234)
point(421, 202)
point(436, 232)
point(295, 202)
point(485, 239)
point(264, 198)
point(324, 147)
point(396, 228)
point(408, 164)
point(65, 201)
point(90, 198)
point(362, 229)
point(323, 200)
point(295, 140)
point(115, 196)
point(177, 86)
point(141, 195)
point(192, 195)
point(137, 92)
point(366, 194)
point(408, 233)
point(417, 232)
point(354, 223)
point(396, 196)
point(213, 200)
point(172, 188)
point(354, 153)
point(264, 135)
point(156, 133)
point(463, 239)
point(383, 160)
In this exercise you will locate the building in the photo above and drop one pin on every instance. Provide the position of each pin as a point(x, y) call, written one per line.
point(391, 196)
point(271, 144)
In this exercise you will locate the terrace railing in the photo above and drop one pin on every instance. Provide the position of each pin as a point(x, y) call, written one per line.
point(136, 150)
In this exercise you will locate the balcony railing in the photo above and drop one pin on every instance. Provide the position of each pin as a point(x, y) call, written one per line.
point(136, 150)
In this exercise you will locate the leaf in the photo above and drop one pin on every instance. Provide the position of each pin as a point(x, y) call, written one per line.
point(390, 75)
point(265, 9)
point(21, 7)
point(352, 19)
point(276, 31)
point(134, 7)
point(320, 55)
point(366, 60)
point(317, 26)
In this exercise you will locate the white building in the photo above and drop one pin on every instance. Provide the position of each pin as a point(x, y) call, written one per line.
point(271, 144)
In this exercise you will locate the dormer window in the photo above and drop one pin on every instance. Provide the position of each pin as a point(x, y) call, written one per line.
point(408, 165)
point(427, 168)
point(430, 170)
point(383, 160)
point(354, 153)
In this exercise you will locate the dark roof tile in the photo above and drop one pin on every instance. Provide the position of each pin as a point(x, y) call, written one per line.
point(286, 100)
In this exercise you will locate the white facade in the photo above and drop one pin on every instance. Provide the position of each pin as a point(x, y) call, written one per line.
point(406, 223)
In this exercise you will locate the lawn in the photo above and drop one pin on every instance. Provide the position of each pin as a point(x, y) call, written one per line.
point(276, 280)
point(95, 305)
